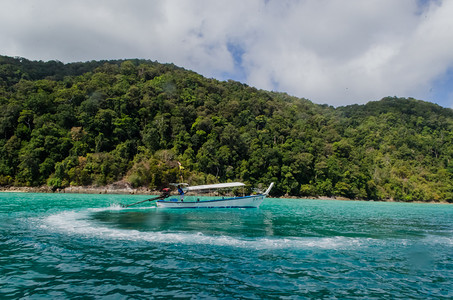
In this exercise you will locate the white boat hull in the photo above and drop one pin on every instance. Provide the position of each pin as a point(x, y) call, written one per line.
point(236, 202)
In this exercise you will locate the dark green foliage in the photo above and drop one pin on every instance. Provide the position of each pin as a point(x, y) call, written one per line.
point(95, 123)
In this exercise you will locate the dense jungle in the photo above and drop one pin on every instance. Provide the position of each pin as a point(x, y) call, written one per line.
point(147, 123)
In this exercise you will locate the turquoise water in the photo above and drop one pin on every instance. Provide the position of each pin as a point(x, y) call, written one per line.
point(87, 247)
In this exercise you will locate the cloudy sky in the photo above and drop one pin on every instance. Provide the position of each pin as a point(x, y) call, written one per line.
point(329, 51)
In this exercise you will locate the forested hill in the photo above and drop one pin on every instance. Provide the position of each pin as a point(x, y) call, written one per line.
point(96, 123)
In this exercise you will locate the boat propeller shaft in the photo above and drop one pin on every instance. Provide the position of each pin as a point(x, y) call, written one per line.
point(165, 194)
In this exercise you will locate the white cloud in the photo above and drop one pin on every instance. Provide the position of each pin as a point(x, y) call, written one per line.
point(330, 51)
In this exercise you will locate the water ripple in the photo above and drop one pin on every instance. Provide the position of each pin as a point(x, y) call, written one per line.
point(290, 249)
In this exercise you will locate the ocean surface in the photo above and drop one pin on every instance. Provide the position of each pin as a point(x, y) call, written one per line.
point(88, 247)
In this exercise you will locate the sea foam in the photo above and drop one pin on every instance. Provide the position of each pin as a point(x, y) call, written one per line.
point(79, 223)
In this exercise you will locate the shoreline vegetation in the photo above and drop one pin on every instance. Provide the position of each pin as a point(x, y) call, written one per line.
point(79, 126)
point(124, 188)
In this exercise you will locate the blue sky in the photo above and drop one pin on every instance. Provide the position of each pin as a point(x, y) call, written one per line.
point(329, 51)
point(441, 91)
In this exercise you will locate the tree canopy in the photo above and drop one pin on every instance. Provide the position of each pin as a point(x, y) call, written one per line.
point(98, 122)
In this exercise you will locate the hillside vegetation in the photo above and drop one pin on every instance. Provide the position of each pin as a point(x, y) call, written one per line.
point(98, 122)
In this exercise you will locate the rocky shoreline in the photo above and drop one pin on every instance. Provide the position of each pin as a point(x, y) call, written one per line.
point(114, 188)
point(124, 188)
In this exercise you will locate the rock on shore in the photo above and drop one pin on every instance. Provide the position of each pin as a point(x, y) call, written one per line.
point(120, 187)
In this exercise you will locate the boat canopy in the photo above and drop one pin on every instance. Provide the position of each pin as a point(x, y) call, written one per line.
point(213, 186)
